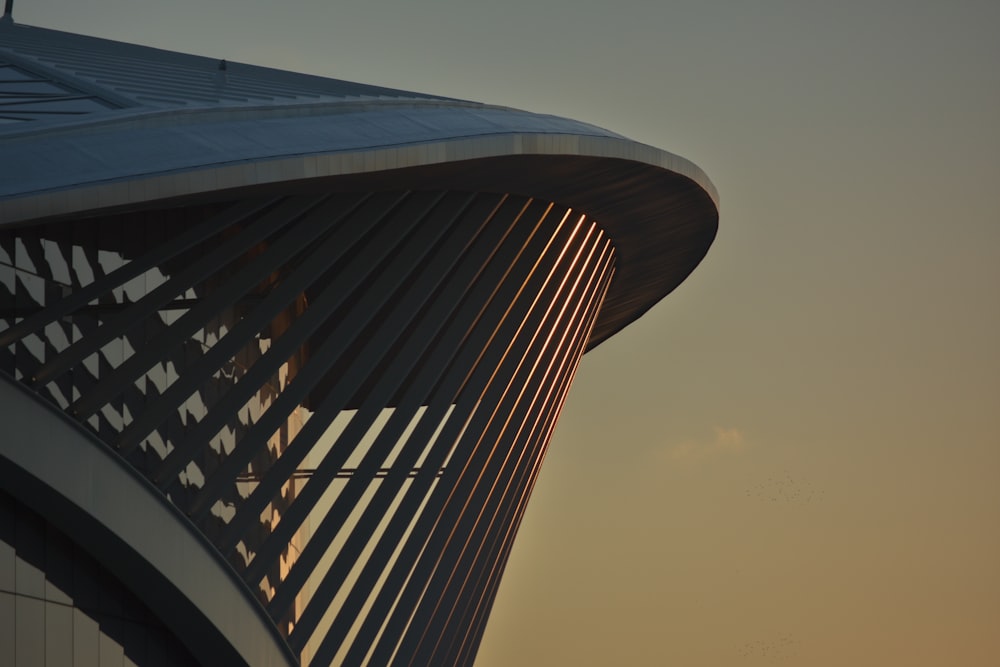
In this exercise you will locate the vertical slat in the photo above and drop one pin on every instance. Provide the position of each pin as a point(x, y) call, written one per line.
point(500, 316)
point(427, 272)
point(462, 626)
point(498, 454)
point(415, 567)
point(486, 317)
point(435, 360)
point(347, 330)
point(496, 511)
point(282, 349)
point(435, 316)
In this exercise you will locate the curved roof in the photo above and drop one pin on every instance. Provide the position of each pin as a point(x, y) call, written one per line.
point(90, 125)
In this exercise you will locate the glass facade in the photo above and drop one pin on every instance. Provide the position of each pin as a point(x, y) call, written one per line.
point(61, 608)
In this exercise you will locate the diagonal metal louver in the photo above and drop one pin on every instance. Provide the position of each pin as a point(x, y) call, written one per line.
point(348, 394)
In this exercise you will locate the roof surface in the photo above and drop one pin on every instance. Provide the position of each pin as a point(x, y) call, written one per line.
point(90, 124)
point(100, 74)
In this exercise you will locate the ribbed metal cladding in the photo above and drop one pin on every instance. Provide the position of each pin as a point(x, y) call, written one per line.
point(350, 395)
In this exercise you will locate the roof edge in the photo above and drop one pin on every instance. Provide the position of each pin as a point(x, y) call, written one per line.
point(145, 188)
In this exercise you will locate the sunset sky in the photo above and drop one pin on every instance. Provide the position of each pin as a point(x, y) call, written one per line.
point(795, 458)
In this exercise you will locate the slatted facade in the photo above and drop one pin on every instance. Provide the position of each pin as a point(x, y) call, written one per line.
point(348, 394)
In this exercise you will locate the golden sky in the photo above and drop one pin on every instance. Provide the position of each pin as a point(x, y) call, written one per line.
point(794, 459)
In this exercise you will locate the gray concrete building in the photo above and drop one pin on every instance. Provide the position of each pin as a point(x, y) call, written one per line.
point(280, 355)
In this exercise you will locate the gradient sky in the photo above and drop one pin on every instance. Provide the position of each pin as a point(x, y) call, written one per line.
point(794, 459)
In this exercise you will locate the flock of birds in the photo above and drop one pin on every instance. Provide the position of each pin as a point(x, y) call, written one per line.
point(777, 650)
point(784, 489)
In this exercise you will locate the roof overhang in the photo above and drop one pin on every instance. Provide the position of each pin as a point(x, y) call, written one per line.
point(660, 210)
